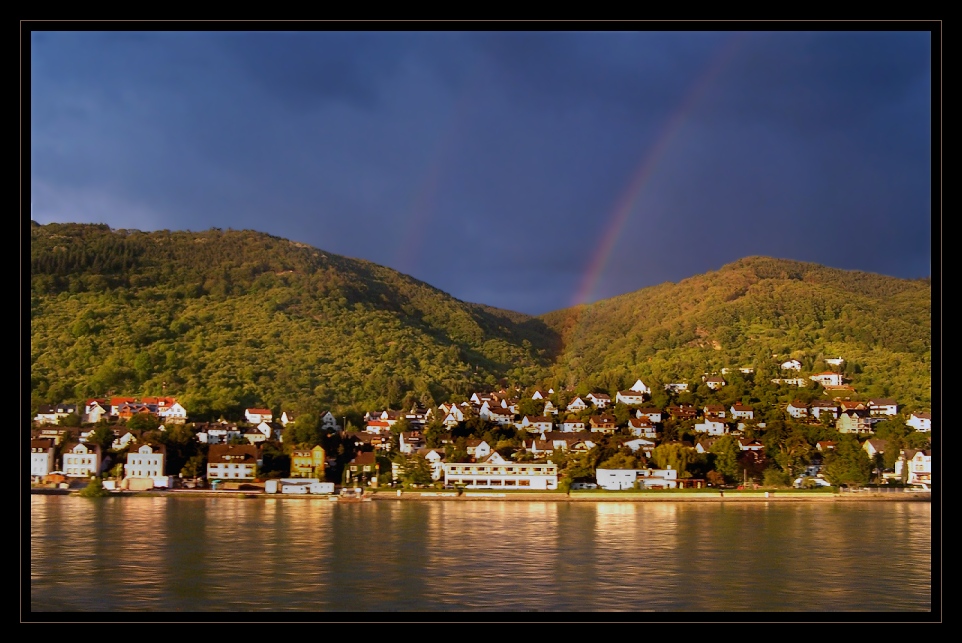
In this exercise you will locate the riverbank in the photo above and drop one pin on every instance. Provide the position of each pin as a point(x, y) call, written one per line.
point(534, 496)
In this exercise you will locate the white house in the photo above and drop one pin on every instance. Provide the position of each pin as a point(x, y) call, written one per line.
point(715, 383)
point(218, 433)
point(645, 445)
point(52, 413)
point(95, 410)
point(41, 456)
point(256, 416)
point(540, 448)
point(883, 406)
point(618, 479)
point(232, 462)
point(572, 426)
point(792, 365)
point(82, 461)
point(834, 361)
point(497, 473)
point(639, 387)
point(676, 387)
point(711, 427)
point(454, 415)
point(270, 430)
point(410, 441)
point(642, 427)
point(920, 421)
point(799, 382)
point(630, 397)
point(920, 468)
point(435, 457)
point(168, 409)
point(550, 408)
point(577, 404)
point(286, 418)
point(478, 449)
point(600, 400)
point(827, 378)
point(539, 395)
point(824, 406)
point(797, 409)
point(536, 423)
point(499, 415)
point(145, 462)
point(742, 411)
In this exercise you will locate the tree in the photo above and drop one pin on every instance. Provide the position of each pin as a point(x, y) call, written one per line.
point(621, 460)
point(715, 479)
point(434, 434)
point(793, 453)
point(71, 419)
point(674, 455)
point(775, 477)
point(95, 489)
point(143, 422)
point(103, 436)
point(847, 463)
point(416, 471)
point(305, 431)
point(726, 450)
point(194, 467)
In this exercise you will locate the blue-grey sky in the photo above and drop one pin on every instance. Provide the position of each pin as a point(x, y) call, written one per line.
point(528, 171)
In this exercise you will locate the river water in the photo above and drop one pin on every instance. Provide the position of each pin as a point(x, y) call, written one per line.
point(163, 554)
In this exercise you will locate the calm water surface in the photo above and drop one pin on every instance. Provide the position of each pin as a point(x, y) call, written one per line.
point(312, 555)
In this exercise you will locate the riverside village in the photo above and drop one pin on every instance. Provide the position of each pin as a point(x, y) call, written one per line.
point(715, 434)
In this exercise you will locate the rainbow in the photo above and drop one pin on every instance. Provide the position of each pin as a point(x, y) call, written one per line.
point(626, 204)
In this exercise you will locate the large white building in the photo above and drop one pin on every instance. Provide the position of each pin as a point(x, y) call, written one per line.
point(81, 461)
point(232, 462)
point(618, 479)
point(41, 456)
point(145, 462)
point(497, 473)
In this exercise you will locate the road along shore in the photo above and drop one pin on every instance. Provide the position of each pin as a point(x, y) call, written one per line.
point(390, 495)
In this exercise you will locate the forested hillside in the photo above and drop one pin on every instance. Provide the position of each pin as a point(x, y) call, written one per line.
point(229, 319)
point(756, 312)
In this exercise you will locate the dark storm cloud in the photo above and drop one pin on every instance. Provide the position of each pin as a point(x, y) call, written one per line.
point(491, 165)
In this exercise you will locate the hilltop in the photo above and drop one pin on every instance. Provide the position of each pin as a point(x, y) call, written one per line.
point(755, 313)
point(228, 319)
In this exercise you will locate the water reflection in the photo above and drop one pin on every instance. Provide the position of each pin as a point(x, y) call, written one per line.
point(311, 555)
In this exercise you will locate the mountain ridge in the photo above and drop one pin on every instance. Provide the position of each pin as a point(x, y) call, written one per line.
point(219, 324)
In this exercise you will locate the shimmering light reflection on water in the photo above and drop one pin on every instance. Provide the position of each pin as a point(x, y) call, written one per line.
point(311, 555)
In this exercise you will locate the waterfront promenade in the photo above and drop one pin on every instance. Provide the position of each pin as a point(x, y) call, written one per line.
point(392, 495)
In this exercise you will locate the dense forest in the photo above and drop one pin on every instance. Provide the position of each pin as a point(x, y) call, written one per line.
point(230, 319)
point(755, 313)
point(226, 319)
